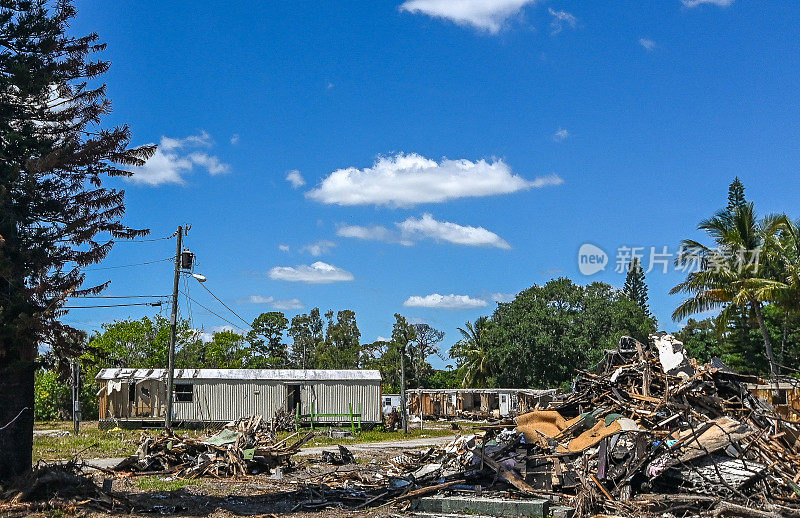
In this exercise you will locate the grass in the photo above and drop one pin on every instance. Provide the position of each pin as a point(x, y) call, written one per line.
point(164, 485)
point(95, 443)
point(90, 443)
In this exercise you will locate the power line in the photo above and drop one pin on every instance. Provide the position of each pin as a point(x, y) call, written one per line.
point(171, 258)
point(119, 297)
point(212, 312)
point(226, 306)
point(155, 304)
point(146, 240)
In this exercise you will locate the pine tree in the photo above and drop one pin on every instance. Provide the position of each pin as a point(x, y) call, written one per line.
point(55, 215)
point(736, 197)
point(635, 287)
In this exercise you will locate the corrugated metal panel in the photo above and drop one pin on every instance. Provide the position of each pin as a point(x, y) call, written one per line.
point(336, 398)
point(229, 400)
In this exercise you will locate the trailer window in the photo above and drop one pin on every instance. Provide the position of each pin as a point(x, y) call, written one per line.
point(184, 392)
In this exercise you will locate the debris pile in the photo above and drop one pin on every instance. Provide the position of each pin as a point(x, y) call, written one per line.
point(65, 486)
point(244, 446)
point(283, 421)
point(647, 432)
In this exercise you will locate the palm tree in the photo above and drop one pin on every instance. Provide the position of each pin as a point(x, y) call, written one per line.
point(473, 348)
point(734, 276)
point(787, 266)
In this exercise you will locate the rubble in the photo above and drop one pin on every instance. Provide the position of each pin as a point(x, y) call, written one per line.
point(64, 486)
point(244, 446)
point(629, 440)
point(283, 421)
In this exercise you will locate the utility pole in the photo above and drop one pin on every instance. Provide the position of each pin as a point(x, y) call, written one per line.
point(76, 395)
point(172, 332)
point(403, 388)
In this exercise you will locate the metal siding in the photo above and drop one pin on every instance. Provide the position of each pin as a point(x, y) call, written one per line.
point(336, 397)
point(220, 400)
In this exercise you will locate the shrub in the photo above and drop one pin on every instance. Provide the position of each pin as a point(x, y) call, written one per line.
point(52, 397)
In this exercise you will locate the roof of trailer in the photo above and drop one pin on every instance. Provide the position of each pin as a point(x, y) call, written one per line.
point(119, 374)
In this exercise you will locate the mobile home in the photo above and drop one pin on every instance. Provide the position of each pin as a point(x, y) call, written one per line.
point(476, 403)
point(138, 396)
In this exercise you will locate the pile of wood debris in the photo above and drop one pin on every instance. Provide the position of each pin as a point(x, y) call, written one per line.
point(649, 432)
point(245, 446)
point(65, 486)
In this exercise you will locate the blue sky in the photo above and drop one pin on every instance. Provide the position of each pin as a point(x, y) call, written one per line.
point(383, 156)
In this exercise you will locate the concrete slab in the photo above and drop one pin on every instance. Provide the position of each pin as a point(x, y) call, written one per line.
point(475, 505)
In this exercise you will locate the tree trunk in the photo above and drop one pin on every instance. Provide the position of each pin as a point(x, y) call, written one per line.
point(773, 367)
point(16, 419)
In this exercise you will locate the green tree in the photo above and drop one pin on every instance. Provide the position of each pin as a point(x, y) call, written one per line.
point(701, 339)
point(423, 347)
point(55, 215)
point(472, 354)
point(341, 348)
point(403, 334)
point(384, 356)
point(140, 343)
point(736, 199)
point(733, 276)
point(635, 287)
point(307, 332)
point(266, 338)
point(226, 350)
point(547, 332)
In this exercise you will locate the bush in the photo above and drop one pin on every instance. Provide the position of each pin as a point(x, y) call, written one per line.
point(51, 397)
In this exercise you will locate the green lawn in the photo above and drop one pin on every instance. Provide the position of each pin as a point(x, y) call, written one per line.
point(91, 442)
point(95, 443)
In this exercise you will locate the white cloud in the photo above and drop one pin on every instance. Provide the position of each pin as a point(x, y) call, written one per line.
point(288, 304)
point(561, 19)
point(503, 297)
point(376, 233)
point(202, 139)
point(235, 138)
point(283, 248)
point(317, 273)
point(211, 163)
point(444, 301)
point(426, 227)
point(695, 3)
point(163, 167)
point(168, 164)
point(319, 248)
point(273, 302)
point(405, 180)
point(488, 15)
point(647, 43)
point(561, 135)
point(295, 178)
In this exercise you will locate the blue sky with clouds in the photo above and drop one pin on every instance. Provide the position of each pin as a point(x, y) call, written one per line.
point(434, 156)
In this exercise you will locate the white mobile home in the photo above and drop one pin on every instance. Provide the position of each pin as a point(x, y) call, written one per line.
point(222, 395)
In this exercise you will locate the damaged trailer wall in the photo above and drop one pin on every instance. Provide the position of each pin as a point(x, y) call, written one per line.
point(475, 403)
